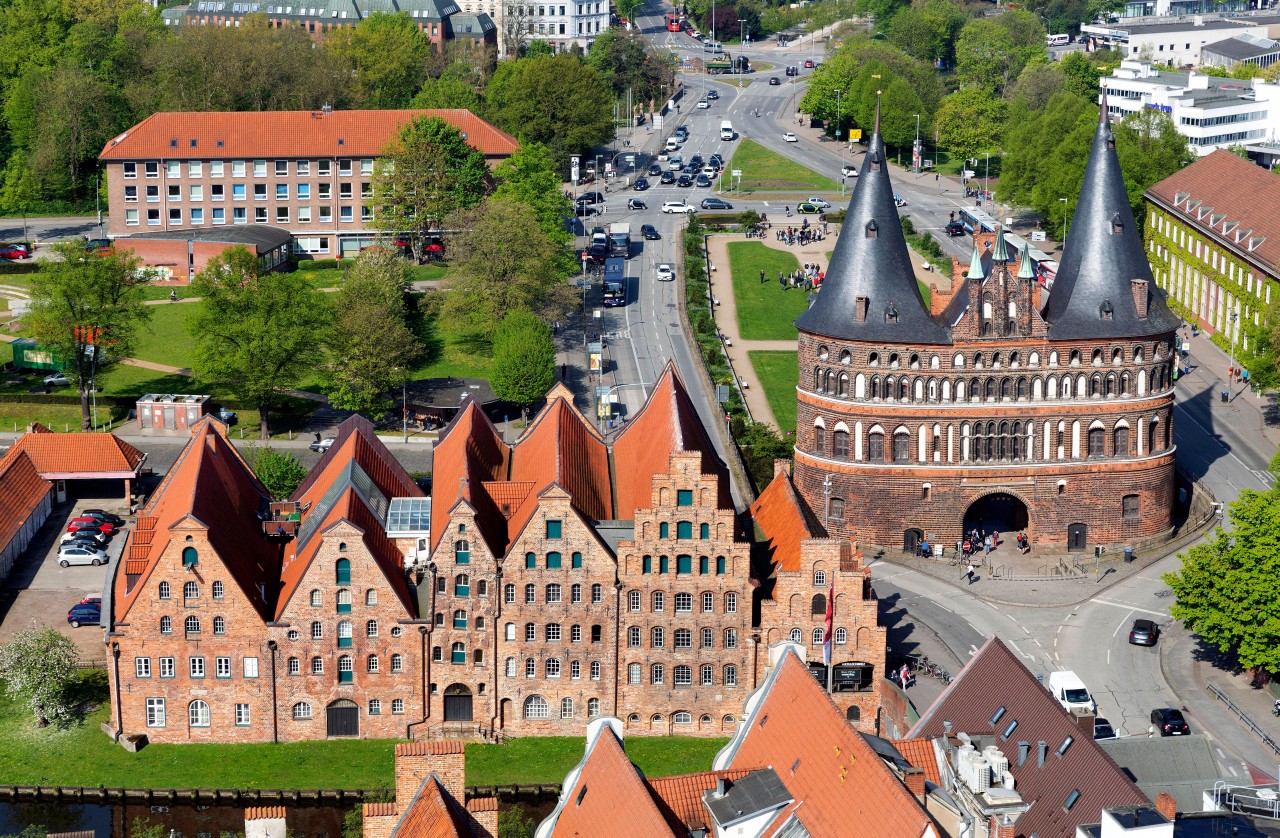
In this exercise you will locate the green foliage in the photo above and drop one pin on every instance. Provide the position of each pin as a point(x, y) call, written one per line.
point(991, 52)
point(143, 828)
point(852, 70)
point(1228, 587)
point(529, 176)
point(928, 31)
point(524, 359)
point(1150, 149)
point(37, 666)
point(258, 336)
point(89, 309)
point(353, 821)
point(969, 121)
point(761, 445)
point(558, 101)
point(1036, 85)
point(1082, 75)
point(448, 91)
point(629, 62)
point(514, 823)
point(426, 174)
point(389, 55)
point(279, 471)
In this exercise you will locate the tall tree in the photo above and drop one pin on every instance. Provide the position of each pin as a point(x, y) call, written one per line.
point(1228, 588)
point(969, 121)
point(1082, 75)
point(524, 359)
point(558, 101)
point(88, 308)
point(529, 176)
point(504, 261)
point(630, 63)
point(389, 55)
point(279, 471)
point(427, 173)
point(448, 91)
point(257, 335)
point(373, 347)
point(37, 665)
point(1036, 85)
point(985, 54)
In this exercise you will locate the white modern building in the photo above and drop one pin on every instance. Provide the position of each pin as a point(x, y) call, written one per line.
point(1211, 112)
point(563, 24)
point(1178, 41)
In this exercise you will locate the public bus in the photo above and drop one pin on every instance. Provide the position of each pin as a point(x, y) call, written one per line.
point(615, 282)
point(673, 23)
point(976, 220)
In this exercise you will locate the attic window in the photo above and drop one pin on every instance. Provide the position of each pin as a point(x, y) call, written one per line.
point(891, 314)
point(997, 715)
point(763, 719)
point(1106, 311)
point(341, 141)
point(1255, 242)
point(173, 143)
point(194, 142)
point(875, 161)
point(582, 792)
point(1066, 743)
point(1009, 729)
point(795, 765)
point(1179, 197)
point(873, 229)
point(1117, 226)
point(190, 558)
point(1071, 800)
point(219, 143)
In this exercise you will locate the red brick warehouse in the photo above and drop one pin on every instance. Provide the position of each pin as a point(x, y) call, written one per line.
point(1007, 406)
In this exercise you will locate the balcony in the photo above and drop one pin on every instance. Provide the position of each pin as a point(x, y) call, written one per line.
point(281, 520)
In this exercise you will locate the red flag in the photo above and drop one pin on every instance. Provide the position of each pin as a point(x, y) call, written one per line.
point(826, 632)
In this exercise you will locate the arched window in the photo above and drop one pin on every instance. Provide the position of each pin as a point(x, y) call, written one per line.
point(191, 591)
point(458, 653)
point(841, 445)
point(682, 675)
point(302, 711)
point(846, 357)
point(797, 636)
point(1015, 442)
point(901, 447)
point(1120, 446)
point(817, 379)
point(342, 572)
point(218, 590)
point(841, 636)
point(219, 625)
point(1097, 442)
point(371, 664)
point(657, 637)
point(462, 585)
point(191, 625)
point(989, 389)
point(818, 605)
point(566, 708)
point(819, 578)
point(875, 446)
point(707, 675)
point(842, 388)
point(1006, 388)
point(344, 633)
point(166, 625)
point(1156, 440)
point(1095, 386)
point(344, 600)
point(731, 676)
point(657, 674)
point(190, 558)
point(462, 552)
point(198, 713)
point(536, 707)
point(1022, 389)
point(819, 439)
point(816, 637)
point(371, 597)
point(164, 590)
point(708, 638)
point(634, 673)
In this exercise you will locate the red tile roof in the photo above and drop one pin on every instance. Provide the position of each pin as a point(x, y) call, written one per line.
point(609, 796)
point(78, 455)
point(433, 748)
point(667, 424)
point(470, 452)
point(433, 813)
point(379, 810)
point(995, 679)
point(22, 490)
point(681, 796)
point(1239, 191)
point(212, 484)
point(482, 804)
point(356, 440)
point(920, 753)
point(833, 774)
point(779, 513)
point(288, 134)
point(254, 813)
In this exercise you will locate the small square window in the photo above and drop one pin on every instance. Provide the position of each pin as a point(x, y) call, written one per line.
point(554, 529)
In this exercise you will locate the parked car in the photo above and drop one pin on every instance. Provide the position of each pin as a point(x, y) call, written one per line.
point(585, 210)
point(1102, 729)
point(1170, 722)
point(664, 272)
point(790, 137)
point(667, 178)
point(807, 208)
point(103, 515)
point(774, 80)
point(669, 207)
point(1144, 633)
point(322, 445)
point(713, 94)
point(81, 554)
point(818, 202)
point(955, 228)
point(716, 204)
point(15, 251)
point(90, 523)
point(649, 232)
point(91, 600)
point(636, 204)
point(641, 184)
point(94, 538)
point(85, 614)
point(848, 170)
point(56, 380)
point(703, 103)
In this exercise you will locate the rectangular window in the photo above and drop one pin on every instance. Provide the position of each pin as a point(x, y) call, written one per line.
point(282, 191)
point(684, 497)
point(259, 192)
point(304, 215)
point(130, 170)
point(219, 215)
point(197, 667)
point(155, 712)
point(195, 168)
point(366, 213)
point(237, 192)
point(175, 215)
point(237, 168)
point(142, 667)
point(167, 668)
point(326, 215)
point(173, 169)
point(324, 191)
point(259, 168)
point(397, 706)
point(304, 168)
point(324, 168)
point(153, 194)
point(215, 168)
point(304, 191)
point(345, 190)
point(152, 169)
point(344, 167)
point(259, 215)
point(366, 166)
point(242, 715)
point(239, 215)
point(153, 218)
point(346, 214)
point(251, 667)
point(197, 215)
point(195, 192)
point(554, 529)
point(282, 168)
point(131, 194)
point(282, 215)
point(175, 192)
point(222, 667)
point(131, 217)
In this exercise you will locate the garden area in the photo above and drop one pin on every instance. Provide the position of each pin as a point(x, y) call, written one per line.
point(778, 375)
point(765, 170)
point(765, 310)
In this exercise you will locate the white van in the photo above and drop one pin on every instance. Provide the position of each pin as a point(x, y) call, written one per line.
point(726, 130)
point(712, 47)
point(673, 144)
point(1071, 692)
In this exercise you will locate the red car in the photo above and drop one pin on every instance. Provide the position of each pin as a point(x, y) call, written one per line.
point(15, 251)
point(90, 523)
point(808, 64)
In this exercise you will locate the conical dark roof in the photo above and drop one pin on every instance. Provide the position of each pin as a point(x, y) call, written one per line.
point(871, 261)
point(1093, 294)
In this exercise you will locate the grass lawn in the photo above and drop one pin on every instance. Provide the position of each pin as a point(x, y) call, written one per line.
point(165, 339)
point(82, 755)
point(462, 356)
point(763, 169)
point(765, 312)
point(777, 372)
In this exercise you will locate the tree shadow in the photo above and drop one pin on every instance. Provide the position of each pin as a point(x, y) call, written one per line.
point(86, 690)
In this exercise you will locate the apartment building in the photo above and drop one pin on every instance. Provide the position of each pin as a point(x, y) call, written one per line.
point(307, 172)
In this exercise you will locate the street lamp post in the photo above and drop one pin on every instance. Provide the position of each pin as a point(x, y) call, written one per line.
point(600, 400)
point(915, 156)
point(986, 178)
point(1234, 333)
point(1064, 221)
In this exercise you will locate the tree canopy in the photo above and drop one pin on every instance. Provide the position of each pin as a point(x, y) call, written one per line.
point(970, 121)
point(524, 358)
point(279, 471)
point(852, 70)
point(557, 100)
point(630, 63)
point(992, 52)
point(389, 57)
point(37, 666)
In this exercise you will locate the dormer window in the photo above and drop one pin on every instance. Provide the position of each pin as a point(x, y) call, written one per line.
point(1111, 140)
point(875, 161)
point(1106, 310)
point(891, 314)
point(1117, 226)
point(873, 229)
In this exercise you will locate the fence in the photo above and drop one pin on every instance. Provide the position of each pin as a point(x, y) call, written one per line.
point(1245, 718)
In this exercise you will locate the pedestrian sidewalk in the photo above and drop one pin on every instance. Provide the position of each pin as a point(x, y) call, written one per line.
point(1244, 409)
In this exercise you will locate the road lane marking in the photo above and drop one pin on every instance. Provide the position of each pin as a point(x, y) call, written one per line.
point(1131, 607)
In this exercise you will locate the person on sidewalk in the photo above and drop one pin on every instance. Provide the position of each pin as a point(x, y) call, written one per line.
point(969, 571)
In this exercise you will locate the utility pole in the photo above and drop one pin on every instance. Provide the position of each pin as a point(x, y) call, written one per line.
point(915, 157)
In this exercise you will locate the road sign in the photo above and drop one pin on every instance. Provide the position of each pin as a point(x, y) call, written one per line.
point(631, 159)
point(736, 172)
point(722, 393)
point(573, 169)
point(855, 134)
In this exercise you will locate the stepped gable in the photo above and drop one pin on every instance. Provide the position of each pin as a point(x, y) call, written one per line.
point(1094, 294)
point(212, 484)
point(469, 453)
point(995, 679)
point(667, 424)
point(870, 292)
point(561, 447)
point(780, 516)
point(432, 814)
point(834, 777)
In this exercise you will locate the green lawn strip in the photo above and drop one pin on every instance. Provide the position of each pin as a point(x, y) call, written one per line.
point(765, 311)
point(462, 355)
point(164, 339)
point(763, 169)
point(777, 372)
point(546, 759)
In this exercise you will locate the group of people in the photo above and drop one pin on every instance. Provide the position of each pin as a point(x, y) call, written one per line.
point(802, 235)
point(809, 277)
point(978, 539)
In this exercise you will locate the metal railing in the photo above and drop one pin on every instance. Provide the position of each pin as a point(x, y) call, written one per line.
point(1259, 801)
point(1244, 717)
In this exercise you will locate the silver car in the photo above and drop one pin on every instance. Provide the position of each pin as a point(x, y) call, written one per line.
point(69, 554)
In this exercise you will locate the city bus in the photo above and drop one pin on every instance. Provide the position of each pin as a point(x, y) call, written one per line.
point(615, 282)
point(673, 23)
point(976, 220)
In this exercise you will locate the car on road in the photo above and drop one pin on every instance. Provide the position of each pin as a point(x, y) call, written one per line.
point(636, 204)
point(807, 208)
point(641, 184)
point(716, 204)
point(955, 228)
point(667, 178)
point(1144, 633)
point(654, 169)
point(669, 207)
point(716, 160)
point(703, 180)
point(103, 515)
point(818, 202)
point(774, 80)
point(58, 379)
point(1102, 729)
point(848, 170)
point(899, 201)
point(713, 94)
point(682, 132)
point(15, 251)
point(585, 210)
point(793, 70)
point(81, 554)
point(675, 164)
point(664, 272)
point(85, 614)
point(1170, 722)
point(322, 445)
point(789, 137)
point(685, 180)
point(590, 198)
point(696, 161)
point(649, 232)
point(808, 63)
point(703, 103)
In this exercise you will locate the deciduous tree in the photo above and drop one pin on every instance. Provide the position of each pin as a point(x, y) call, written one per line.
point(279, 471)
point(1035, 86)
point(425, 174)
point(558, 101)
point(524, 358)
point(529, 176)
point(88, 308)
point(970, 120)
point(256, 335)
point(630, 63)
point(389, 56)
point(36, 666)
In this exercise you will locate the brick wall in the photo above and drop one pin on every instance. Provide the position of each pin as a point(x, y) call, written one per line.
point(415, 761)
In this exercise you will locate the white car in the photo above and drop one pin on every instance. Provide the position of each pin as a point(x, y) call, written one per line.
point(677, 206)
point(322, 445)
point(703, 103)
point(789, 137)
point(69, 554)
point(818, 202)
point(665, 273)
point(848, 170)
point(56, 380)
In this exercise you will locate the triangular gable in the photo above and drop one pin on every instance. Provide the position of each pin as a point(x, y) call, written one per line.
point(433, 813)
point(588, 525)
point(779, 514)
point(356, 440)
point(469, 452)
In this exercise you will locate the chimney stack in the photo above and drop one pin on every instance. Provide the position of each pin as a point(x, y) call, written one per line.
point(1043, 752)
point(1139, 288)
point(913, 778)
point(415, 761)
point(1167, 806)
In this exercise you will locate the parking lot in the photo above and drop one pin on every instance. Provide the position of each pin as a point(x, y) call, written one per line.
point(39, 589)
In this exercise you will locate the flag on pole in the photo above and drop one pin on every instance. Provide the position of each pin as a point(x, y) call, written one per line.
point(826, 631)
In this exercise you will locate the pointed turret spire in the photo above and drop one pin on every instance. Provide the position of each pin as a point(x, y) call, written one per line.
point(1026, 267)
point(1103, 287)
point(1000, 253)
point(975, 265)
point(870, 291)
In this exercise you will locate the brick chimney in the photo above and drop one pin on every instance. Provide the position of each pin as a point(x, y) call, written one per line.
point(1139, 289)
point(379, 819)
point(913, 778)
point(781, 468)
point(415, 761)
point(860, 307)
point(1167, 806)
point(1002, 826)
point(485, 812)
point(264, 822)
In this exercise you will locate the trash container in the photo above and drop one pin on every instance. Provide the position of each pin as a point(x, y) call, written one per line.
point(1224, 395)
point(1128, 554)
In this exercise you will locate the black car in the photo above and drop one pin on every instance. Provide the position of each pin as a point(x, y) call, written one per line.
point(682, 134)
point(955, 228)
point(1102, 729)
point(103, 515)
point(655, 169)
point(590, 198)
point(667, 177)
point(774, 80)
point(85, 614)
point(1144, 633)
point(636, 204)
point(650, 232)
point(716, 160)
point(1169, 722)
point(696, 161)
point(584, 210)
point(712, 94)
point(792, 71)
point(641, 184)
point(685, 180)
point(702, 180)
point(716, 204)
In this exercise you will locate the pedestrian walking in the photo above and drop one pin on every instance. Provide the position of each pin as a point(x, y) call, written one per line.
point(969, 571)
point(904, 676)
point(762, 276)
point(986, 543)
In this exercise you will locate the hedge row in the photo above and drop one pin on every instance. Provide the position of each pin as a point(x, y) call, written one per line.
point(20, 267)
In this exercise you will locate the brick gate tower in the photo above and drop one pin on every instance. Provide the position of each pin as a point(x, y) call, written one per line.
point(1004, 406)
